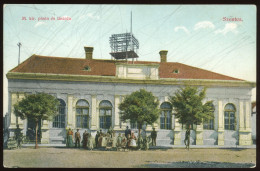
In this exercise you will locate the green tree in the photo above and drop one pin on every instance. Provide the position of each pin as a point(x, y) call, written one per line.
point(140, 107)
point(37, 107)
point(188, 105)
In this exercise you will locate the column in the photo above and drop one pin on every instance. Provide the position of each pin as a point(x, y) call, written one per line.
point(93, 112)
point(70, 112)
point(199, 134)
point(116, 116)
point(124, 124)
point(45, 132)
point(245, 134)
point(15, 97)
point(177, 132)
point(97, 113)
point(220, 123)
point(13, 117)
point(241, 116)
point(20, 121)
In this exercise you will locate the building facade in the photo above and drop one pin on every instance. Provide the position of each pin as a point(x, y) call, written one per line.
point(90, 91)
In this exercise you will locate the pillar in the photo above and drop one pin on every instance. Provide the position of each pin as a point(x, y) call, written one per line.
point(245, 134)
point(70, 112)
point(15, 97)
point(177, 132)
point(97, 114)
point(116, 116)
point(199, 134)
point(45, 132)
point(93, 112)
point(220, 123)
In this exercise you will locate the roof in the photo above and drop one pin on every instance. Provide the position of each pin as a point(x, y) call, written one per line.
point(75, 66)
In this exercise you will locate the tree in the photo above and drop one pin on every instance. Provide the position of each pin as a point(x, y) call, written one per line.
point(140, 107)
point(189, 108)
point(37, 107)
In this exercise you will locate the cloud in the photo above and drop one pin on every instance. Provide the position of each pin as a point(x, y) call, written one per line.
point(203, 25)
point(39, 24)
point(176, 29)
point(229, 27)
point(92, 16)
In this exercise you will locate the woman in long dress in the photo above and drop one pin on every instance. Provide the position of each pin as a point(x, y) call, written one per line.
point(90, 142)
point(70, 138)
point(133, 141)
point(114, 140)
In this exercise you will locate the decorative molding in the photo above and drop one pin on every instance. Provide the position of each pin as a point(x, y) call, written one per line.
point(113, 79)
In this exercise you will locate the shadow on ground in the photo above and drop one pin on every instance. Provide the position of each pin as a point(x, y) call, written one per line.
point(233, 149)
point(197, 164)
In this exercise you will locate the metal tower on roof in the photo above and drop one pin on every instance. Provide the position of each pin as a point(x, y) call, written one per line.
point(125, 45)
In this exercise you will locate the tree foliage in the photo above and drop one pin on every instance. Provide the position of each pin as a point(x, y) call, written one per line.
point(141, 107)
point(37, 107)
point(188, 105)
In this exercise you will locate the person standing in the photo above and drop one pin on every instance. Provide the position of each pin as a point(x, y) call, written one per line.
point(18, 136)
point(96, 139)
point(128, 135)
point(187, 138)
point(154, 136)
point(70, 138)
point(77, 139)
point(85, 139)
point(127, 132)
point(119, 141)
point(90, 141)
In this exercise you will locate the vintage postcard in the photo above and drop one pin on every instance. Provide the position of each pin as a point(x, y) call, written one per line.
point(129, 86)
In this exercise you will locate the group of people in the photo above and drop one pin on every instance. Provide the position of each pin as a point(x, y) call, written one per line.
point(110, 141)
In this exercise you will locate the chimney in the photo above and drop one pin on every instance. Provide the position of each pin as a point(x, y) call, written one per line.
point(88, 52)
point(163, 54)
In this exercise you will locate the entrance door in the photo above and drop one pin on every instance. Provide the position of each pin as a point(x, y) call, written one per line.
point(31, 128)
point(58, 131)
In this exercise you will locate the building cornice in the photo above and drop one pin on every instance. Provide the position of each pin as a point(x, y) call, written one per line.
point(113, 79)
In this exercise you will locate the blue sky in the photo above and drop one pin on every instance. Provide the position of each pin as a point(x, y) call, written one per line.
point(195, 35)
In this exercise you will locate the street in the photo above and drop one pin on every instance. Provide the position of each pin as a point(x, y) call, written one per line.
point(51, 157)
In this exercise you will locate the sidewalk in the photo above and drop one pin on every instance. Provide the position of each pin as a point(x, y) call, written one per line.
point(158, 147)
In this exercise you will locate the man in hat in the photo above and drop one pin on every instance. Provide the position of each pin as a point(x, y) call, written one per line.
point(77, 138)
point(127, 131)
point(153, 135)
point(128, 135)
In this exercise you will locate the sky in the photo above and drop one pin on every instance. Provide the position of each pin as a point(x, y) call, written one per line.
point(202, 36)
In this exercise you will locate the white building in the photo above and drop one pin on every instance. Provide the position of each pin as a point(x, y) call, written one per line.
point(90, 91)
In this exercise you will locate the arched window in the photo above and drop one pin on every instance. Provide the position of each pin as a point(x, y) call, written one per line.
point(166, 115)
point(209, 124)
point(105, 114)
point(230, 111)
point(82, 114)
point(59, 120)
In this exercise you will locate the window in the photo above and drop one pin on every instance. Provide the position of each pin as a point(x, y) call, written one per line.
point(82, 114)
point(87, 68)
point(59, 120)
point(105, 114)
point(175, 71)
point(209, 124)
point(166, 115)
point(229, 113)
point(133, 125)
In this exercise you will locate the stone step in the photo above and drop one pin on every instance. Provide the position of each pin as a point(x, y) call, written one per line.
point(163, 142)
point(57, 140)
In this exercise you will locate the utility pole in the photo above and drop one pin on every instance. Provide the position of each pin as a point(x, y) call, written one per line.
point(19, 44)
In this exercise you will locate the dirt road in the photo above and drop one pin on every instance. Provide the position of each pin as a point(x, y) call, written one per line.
point(80, 158)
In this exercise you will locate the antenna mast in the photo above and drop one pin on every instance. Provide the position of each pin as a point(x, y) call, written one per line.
point(19, 44)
